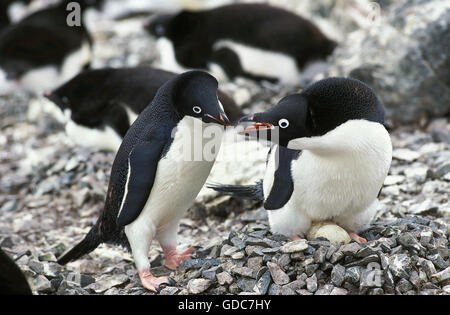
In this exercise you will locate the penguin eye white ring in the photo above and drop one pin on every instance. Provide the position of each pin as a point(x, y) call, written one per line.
point(197, 109)
point(283, 123)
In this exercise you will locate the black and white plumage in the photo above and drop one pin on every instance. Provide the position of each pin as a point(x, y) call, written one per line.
point(152, 182)
point(41, 51)
point(329, 161)
point(12, 280)
point(256, 41)
point(101, 104)
point(6, 8)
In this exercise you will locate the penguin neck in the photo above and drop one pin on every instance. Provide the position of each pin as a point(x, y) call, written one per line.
point(165, 107)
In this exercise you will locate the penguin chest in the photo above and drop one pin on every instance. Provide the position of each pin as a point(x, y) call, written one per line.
point(179, 177)
point(325, 189)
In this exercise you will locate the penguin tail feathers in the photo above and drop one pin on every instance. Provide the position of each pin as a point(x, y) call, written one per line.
point(252, 192)
point(87, 245)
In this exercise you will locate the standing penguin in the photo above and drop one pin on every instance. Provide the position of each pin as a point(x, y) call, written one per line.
point(42, 50)
point(152, 182)
point(329, 161)
point(255, 41)
point(101, 104)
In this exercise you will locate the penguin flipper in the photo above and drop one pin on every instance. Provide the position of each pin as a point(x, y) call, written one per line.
point(142, 164)
point(283, 184)
point(252, 192)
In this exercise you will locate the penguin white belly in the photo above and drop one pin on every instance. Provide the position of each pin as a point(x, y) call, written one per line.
point(48, 77)
point(264, 62)
point(177, 182)
point(326, 189)
point(103, 139)
point(346, 180)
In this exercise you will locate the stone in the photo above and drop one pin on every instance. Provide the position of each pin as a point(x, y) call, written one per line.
point(211, 273)
point(224, 278)
point(320, 254)
point(311, 284)
point(296, 284)
point(238, 255)
point(338, 275)
point(350, 249)
point(404, 285)
point(275, 289)
point(243, 271)
point(197, 286)
point(199, 263)
point(294, 246)
point(278, 275)
point(42, 285)
point(405, 155)
point(325, 290)
point(400, 265)
point(329, 230)
point(339, 291)
point(246, 284)
point(394, 180)
point(263, 283)
point(441, 276)
point(352, 275)
point(255, 263)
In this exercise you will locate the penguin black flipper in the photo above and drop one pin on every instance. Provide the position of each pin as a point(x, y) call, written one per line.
point(283, 184)
point(142, 166)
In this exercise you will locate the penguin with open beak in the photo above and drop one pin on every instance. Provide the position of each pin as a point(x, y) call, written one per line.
point(330, 156)
point(152, 181)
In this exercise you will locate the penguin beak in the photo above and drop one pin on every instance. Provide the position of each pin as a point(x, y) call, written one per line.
point(222, 119)
point(257, 126)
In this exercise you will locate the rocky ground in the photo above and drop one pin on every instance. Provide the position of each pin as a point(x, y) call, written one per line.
point(51, 192)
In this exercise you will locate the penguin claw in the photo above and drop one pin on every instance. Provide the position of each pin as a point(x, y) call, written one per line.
point(151, 282)
point(174, 259)
point(357, 238)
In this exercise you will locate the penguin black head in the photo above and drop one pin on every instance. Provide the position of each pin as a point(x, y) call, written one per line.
point(318, 109)
point(195, 95)
point(78, 90)
point(173, 25)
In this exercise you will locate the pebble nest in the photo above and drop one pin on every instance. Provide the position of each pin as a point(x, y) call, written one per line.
point(51, 192)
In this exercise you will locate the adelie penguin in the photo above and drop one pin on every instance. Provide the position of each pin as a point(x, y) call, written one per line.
point(255, 41)
point(41, 51)
point(329, 161)
point(101, 104)
point(152, 182)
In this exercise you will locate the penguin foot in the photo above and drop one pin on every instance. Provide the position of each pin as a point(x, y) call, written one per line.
point(174, 259)
point(151, 282)
point(356, 237)
point(296, 238)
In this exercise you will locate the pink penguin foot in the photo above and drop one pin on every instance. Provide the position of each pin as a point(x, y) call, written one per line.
point(296, 238)
point(174, 259)
point(151, 282)
point(356, 237)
